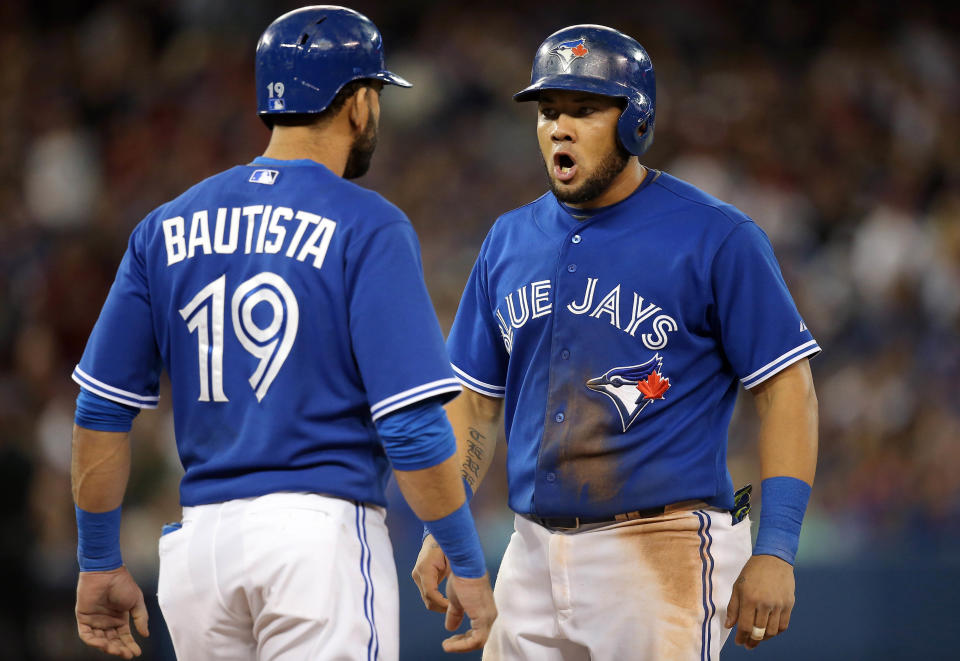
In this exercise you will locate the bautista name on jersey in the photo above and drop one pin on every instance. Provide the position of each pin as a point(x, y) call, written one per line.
point(289, 310)
point(619, 338)
point(279, 230)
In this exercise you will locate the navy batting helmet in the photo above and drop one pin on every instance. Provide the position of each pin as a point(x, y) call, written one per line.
point(600, 60)
point(306, 56)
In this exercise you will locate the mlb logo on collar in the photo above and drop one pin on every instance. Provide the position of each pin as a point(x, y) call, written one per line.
point(268, 177)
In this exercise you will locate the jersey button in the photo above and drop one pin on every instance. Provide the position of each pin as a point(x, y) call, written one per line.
point(559, 417)
point(576, 238)
point(565, 354)
point(551, 477)
point(571, 267)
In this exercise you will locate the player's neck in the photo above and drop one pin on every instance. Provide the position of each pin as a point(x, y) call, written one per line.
point(620, 188)
point(328, 148)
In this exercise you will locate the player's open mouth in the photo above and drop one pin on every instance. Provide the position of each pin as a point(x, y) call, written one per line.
point(564, 167)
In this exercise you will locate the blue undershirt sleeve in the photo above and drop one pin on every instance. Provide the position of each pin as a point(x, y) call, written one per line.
point(102, 414)
point(417, 436)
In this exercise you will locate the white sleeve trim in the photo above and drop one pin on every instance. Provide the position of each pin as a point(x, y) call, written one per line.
point(413, 395)
point(114, 394)
point(780, 363)
point(477, 385)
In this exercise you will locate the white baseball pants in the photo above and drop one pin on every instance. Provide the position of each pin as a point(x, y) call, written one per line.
point(284, 577)
point(652, 589)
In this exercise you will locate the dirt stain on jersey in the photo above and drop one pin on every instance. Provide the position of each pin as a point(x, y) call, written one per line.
point(587, 446)
point(583, 446)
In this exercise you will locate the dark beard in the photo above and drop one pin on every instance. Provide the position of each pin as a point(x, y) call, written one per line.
point(358, 161)
point(611, 166)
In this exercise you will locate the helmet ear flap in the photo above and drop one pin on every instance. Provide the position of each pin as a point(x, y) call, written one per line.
point(635, 127)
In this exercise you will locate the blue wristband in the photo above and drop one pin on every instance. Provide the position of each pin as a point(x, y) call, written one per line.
point(98, 540)
point(457, 537)
point(467, 490)
point(781, 514)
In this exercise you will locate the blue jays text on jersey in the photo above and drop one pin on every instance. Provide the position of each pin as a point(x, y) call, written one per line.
point(289, 310)
point(534, 300)
point(619, 342)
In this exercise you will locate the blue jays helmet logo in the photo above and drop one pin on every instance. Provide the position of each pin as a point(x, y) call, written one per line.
point(631, 389)
point(568, 51)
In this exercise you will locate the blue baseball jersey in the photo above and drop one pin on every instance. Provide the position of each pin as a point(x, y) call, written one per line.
point(619, 341)
point(288, 307)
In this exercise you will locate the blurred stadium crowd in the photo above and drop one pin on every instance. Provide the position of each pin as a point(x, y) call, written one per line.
point(838, 132)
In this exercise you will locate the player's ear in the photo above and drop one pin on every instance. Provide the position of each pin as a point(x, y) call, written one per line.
point(358, 107)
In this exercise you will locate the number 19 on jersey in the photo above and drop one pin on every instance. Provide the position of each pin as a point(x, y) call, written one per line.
point(271, 344)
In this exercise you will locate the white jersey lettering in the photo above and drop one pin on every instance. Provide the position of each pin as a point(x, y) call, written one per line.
point(584, 306)
point(264, 221)
point(662, 325)
point(265, 233)
point(306, 219)
point(276, 229)
point(517, 321)
point(173, 239)
point(610, 305)
point(506, 332)
point(251, 213)
point(640, 313)
point(218, 245)
point(540, 293)
point(199, 234)
point(538, 304)
point(318, 242)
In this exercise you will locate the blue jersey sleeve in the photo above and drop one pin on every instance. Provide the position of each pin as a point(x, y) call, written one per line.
point(477, 344)
point(121, 361)
point(760, 328)
point(396, 337)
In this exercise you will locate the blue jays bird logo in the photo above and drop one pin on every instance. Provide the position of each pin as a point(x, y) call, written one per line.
point(568, 51)
point(631, 389)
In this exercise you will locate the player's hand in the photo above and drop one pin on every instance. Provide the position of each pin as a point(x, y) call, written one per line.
point(429, 571)
point(105, 602)
point(763, 597)
point(474, 597)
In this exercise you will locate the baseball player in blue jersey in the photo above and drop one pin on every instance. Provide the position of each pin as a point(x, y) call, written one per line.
point(288, 307)
point(611, 322)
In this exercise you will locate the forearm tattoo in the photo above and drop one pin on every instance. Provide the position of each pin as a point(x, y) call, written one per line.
point(475, 454)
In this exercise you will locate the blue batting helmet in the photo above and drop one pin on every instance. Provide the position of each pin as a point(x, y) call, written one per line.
point(600, 60)
point(306, 56)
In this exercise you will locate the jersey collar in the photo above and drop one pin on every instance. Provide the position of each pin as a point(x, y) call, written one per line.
point(293, 163)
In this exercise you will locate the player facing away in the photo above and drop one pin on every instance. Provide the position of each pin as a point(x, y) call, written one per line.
point(611, 322)
point(288, 307)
